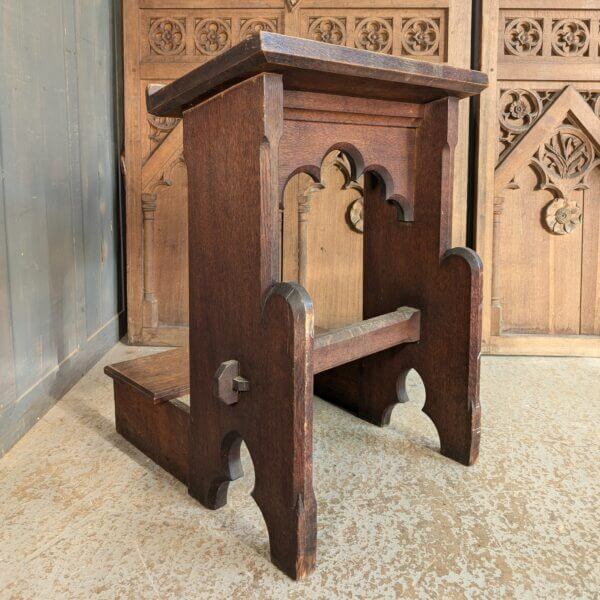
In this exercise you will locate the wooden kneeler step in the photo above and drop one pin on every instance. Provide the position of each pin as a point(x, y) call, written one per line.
point(149, 415)
point(147, 411)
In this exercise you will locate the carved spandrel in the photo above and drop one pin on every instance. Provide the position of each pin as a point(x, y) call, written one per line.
point(159, 130)
point(518, 110)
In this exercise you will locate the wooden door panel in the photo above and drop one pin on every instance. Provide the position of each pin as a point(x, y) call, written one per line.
point(164, 39)
point(539, 150)
point(546, 298)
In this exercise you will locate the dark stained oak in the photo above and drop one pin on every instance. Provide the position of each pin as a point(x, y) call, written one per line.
point(161, 376)
point(412, 263)
point(308, 65)
point(340, 346)
point(253, 117)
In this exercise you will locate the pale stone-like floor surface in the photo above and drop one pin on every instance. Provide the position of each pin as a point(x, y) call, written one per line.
point(83, 514)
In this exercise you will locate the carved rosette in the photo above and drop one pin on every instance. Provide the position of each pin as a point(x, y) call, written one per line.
point(356, 215)
point(519, 108)
point(374, 34)
point(570, 37)
point(212, 36)
point(167, 36)
point(562, 216)
point(421, 36)
point(328, 29)
point(252, 26)
point(523, 37)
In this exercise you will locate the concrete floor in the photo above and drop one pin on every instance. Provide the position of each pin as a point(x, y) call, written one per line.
point(84, 514)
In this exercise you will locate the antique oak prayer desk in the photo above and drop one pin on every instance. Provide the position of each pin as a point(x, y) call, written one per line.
point(269, 108)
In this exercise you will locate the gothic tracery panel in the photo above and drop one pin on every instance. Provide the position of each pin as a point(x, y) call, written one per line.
point(164, 40)
point(545, 217)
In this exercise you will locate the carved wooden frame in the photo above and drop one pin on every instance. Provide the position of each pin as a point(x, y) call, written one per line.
point(546, 82)
point(144, 165)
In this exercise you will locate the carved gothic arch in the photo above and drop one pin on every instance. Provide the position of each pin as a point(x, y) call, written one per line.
point(563, 146)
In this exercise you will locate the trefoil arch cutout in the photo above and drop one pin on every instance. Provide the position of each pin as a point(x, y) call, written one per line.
point(563, 164)
point(351, 163)
point(233, 470)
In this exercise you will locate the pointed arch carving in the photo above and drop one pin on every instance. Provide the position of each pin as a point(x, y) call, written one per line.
point(563, 146)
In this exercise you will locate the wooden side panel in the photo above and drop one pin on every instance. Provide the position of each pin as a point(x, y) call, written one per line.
point(160, 431)
point(537, 224)
point(269, 333)
point(164, 40)
point(545, 299)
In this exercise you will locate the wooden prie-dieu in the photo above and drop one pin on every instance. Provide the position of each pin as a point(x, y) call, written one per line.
point(267, 109)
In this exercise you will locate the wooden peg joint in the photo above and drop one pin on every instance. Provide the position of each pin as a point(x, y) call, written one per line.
point(229, 383)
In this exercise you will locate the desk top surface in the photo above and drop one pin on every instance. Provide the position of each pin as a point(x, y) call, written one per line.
point(307, 65)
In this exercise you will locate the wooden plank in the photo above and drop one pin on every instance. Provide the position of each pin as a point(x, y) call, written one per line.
point(545, 345)
point(160, 377)
point(315, 66)
point(54, 56)
point(340, 346)
point(161, 431)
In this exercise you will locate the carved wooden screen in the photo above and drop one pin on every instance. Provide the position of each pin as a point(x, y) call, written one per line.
point(164, 39)
point(540, 203)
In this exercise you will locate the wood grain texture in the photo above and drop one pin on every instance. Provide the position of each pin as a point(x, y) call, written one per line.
point(444, 283)
point(432, 31)
point(59, 230)
point(161, 377)
point(346, 344)
point(160, 431)
point(541, 278)
point(268, 333)
point(315, 66)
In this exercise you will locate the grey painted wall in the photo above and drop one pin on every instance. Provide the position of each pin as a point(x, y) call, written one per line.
point(60, 131)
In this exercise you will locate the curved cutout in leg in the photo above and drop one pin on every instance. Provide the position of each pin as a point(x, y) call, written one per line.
point(401, 391)
point(452, 379)
point(232, 469)
point(281, 446)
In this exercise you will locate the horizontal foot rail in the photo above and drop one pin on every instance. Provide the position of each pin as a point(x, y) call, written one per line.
point(340, 346)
